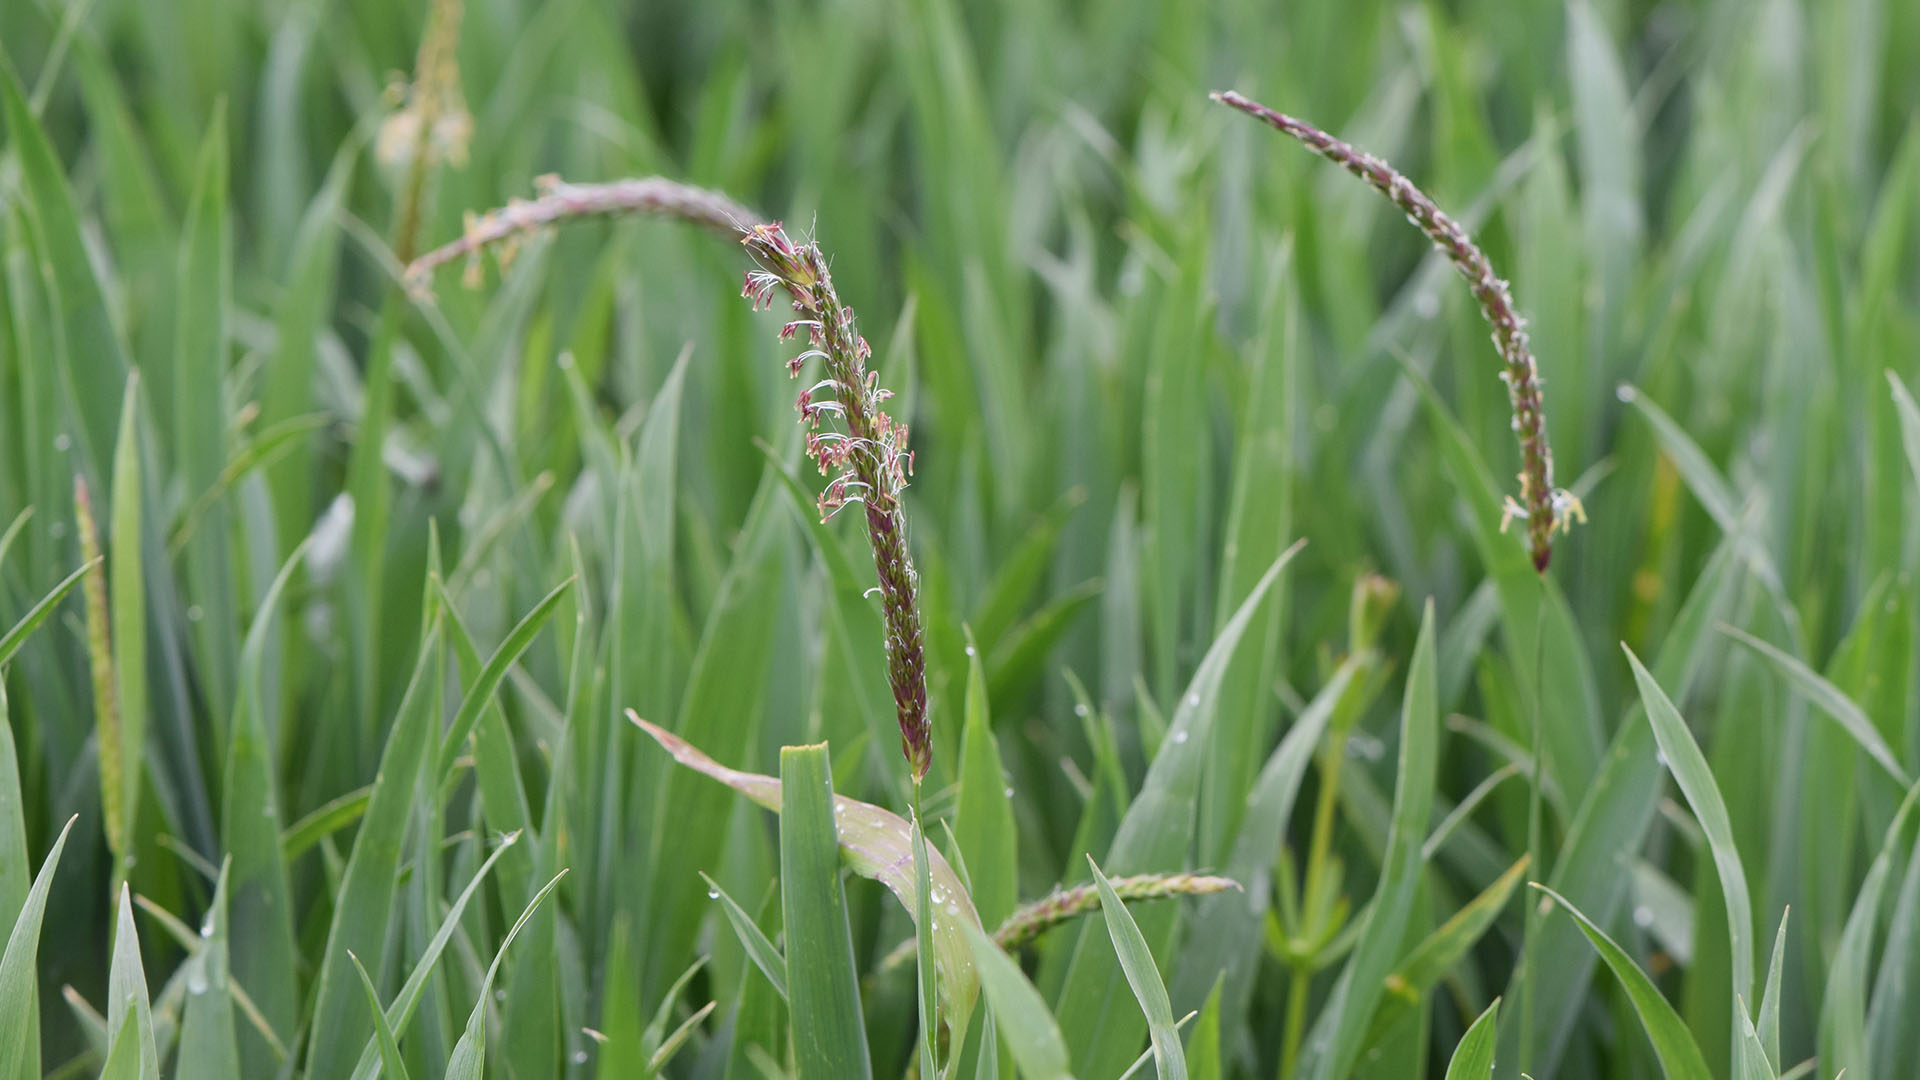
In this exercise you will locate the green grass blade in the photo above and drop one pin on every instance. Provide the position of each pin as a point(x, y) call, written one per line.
point(401, 1011)
point(1679, 1054)
point(127, 993)
point(92, 359)
point(1155, 835)
point(1768, 1028)
point(199, 412)
point(829, 1033)
point(983, 821)
point(1435, 956)
point(1695, 777)
point(1473, 1058)
point(366, 899)
point(518, 640)
point(1136, 959)
point(19, 978)
point(760, 948)
point(927, 979)
point(1909, 413)
point(263, 955)
point(123, 1060)
point(16, 875)
point(1204, 1060)
point(126, 580)
point(1237, 918)
point(11, 641)
point(207, 1043)
point(1749, 1056)
point(1348, 1014)
point(1829, 699)
point(1021, 1018)
point(390, 1059)
point(469, 1054)
point(323, 821)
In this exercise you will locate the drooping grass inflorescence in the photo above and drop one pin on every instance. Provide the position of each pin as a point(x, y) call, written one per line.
point(851, 436)
point(1544, 507)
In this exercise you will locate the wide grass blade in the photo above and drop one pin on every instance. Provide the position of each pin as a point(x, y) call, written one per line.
point(1473, 1058)
point(127, 993)
point(207, 1043)
point(829, 1033)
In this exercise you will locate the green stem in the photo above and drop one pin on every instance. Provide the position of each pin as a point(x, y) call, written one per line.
point(1297, 991)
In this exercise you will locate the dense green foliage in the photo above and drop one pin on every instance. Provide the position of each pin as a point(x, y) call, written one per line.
point(321, 633)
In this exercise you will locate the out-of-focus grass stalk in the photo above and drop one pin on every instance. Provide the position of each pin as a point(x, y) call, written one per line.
point(106, 712)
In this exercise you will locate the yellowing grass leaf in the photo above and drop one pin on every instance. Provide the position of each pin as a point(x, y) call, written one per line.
point(876, 844)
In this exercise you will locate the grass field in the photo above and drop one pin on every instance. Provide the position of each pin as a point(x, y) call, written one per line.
point(331, 592)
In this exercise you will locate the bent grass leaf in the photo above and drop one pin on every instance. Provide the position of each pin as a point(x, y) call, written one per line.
point(1679, 1055)
point(1830, 699)
point(874, 843)
point(1695, 777)
point(1021, 1018)
point(760, 948)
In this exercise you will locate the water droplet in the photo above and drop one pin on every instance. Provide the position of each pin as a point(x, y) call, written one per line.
point(953, 909)
point(1082, 710)
point(1009, 793)
point(1179, 736)
point(1193, 701)
point(195, 613)
point(579, 1057)
point(969, 650)
point(1643, 916)
point(197, 980)
point(500, 995)
point(713, 894)
point(62, 443)
point(206, 926)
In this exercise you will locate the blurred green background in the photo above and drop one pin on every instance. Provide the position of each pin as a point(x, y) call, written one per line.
point(1144, 345)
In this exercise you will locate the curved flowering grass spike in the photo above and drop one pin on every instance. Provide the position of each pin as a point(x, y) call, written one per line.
point(852, 438)
point(850, 435)
point(1544, 507)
